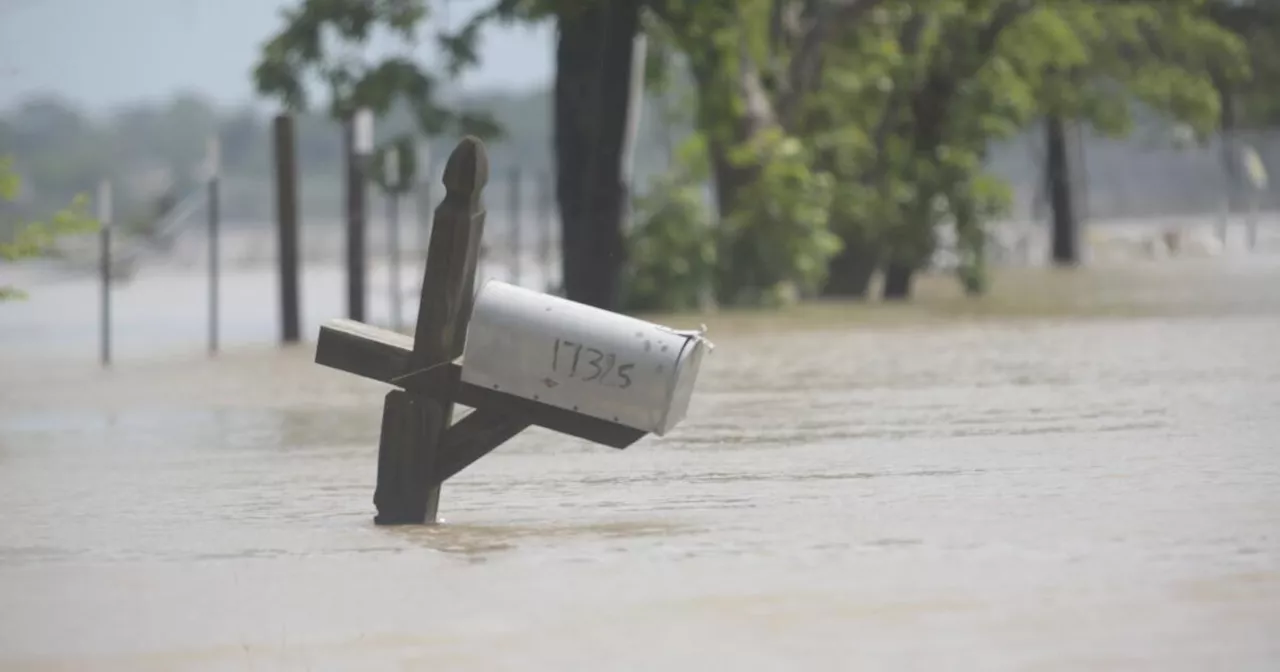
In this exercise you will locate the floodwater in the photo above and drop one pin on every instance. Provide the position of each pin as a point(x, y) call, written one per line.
point(1090, 484)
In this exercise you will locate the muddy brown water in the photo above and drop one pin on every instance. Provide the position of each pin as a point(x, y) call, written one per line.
point(1082, 472)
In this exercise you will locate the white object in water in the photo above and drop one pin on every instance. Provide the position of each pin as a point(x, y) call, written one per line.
point(580, 358)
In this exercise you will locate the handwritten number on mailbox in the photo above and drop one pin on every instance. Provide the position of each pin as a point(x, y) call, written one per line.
point(602, 364)
point(577, 352)
point(609, 361)
point(594, 362)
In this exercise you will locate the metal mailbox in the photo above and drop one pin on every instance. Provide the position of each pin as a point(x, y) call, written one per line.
point(579, 358)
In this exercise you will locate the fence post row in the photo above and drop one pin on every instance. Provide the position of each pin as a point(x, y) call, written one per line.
point(517, 269)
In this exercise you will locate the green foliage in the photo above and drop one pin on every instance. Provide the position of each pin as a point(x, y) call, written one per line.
point(775, 247)
point(33, 238)
point(1088, 60)
point(874, 142)
point(913, 96)
point(709, 37)
point(972, 204)
point(321, 40)
point(828, 123)
point(773, 251)
point(773, 238)
point(1257, 24)
point(671, 248)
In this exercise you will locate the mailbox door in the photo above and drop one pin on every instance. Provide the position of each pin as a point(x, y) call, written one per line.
point(573, 356)
point(687, 366)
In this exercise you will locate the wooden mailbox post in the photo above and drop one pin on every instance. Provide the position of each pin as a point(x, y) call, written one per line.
point(421, 446)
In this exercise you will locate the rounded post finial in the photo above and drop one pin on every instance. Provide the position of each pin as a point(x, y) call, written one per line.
point(467, 170)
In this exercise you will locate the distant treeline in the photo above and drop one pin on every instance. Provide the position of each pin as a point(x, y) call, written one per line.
point(154, 152)
point(149, 149)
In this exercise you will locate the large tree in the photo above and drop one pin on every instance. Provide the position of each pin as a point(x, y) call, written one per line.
point(755, 63)
point(1165, 55)
point(592, 94)
point(593, 66)
point(324, 41)
point(960, 74)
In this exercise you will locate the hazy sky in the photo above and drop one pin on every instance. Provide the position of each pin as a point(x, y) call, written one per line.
point(103, 53)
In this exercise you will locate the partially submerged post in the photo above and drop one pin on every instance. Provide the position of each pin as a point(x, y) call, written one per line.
point(287, 226)
point(357, 137)
point(213, 157)
point(104, 269)
point(530, 359)
point(1256, 172)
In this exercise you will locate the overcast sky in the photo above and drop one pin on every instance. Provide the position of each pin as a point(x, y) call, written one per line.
point(104, 53)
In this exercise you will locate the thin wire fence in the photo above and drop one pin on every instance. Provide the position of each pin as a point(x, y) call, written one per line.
point(1138, 198)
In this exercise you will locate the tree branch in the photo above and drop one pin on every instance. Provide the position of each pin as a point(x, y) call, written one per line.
point(949, 70)
point(910, 36)
point(820, 20)
point(1004, 17)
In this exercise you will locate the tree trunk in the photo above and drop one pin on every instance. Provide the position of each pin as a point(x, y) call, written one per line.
point(755, 116)
point(971, 243)
point(1065, 236)
point(592, 91)
point(849, 273)
point(897, 281)
point(731, 180)
point(741, 268)
point(907, 248)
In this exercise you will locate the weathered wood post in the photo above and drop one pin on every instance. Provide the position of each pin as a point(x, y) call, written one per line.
point(499, 351)
point(357, 138)
point(104, 268)
point(413, 426)
point(212, 200)
point(287, 226)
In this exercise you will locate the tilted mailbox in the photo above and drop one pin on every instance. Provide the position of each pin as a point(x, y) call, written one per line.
point(527, 359)
point(579, 358)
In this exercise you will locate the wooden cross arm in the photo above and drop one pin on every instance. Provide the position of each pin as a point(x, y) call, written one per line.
point(383, 355)
point(473, 437)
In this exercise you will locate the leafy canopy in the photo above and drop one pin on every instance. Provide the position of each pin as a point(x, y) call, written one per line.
point(324, 41)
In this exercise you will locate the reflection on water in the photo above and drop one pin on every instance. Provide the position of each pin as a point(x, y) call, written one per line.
point(1058, 488)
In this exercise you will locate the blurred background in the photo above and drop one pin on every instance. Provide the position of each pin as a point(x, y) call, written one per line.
point(995, 286)
point(816, 151)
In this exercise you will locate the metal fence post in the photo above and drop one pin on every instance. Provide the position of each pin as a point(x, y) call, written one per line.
point(424, 203)
point(358, 145)
point(104, 221)
point(391, 176)
point(513, 214)
point(211, 207)
point(287, 227)
point(547, 224)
